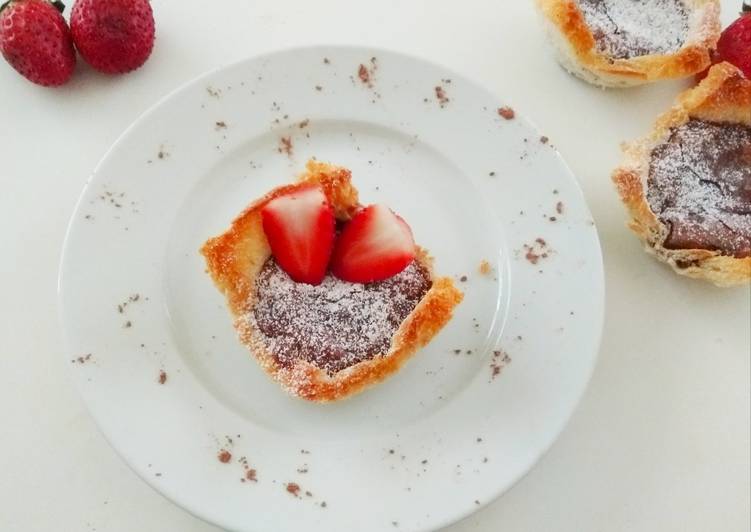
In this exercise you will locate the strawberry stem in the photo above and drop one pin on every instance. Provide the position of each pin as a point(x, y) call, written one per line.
point(746, 6)
point(4, 5)
point(58, 5)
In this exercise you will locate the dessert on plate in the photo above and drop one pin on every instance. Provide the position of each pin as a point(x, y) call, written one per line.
point(687, 185)
point(621, 43)
point(329, 295)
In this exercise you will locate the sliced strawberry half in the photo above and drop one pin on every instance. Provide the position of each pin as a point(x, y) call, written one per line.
point(375, 245)
point(299, 226)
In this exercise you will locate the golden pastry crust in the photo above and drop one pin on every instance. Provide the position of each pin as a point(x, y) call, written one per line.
point(235, 258)
point(578, 52)
point(723, 96)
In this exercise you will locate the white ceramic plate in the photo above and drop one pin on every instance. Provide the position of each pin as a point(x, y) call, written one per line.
point(460, 423)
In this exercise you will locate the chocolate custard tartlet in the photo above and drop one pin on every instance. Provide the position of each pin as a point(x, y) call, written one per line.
point(687, 185)
point(621, 43)
point(329, 295)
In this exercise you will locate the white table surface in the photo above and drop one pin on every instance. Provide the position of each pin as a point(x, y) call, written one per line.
point(661, 439)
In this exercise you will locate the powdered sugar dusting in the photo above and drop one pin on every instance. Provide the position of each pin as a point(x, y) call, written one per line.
point(700, 186)
point(633, 28)
point(336, 324)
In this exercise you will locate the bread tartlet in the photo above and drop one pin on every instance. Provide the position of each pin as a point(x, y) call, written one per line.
point(687, 185)
point(622, 43)
point(326, 342)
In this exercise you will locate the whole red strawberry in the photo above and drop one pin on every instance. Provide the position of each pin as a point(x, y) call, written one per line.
point(113, 36)
point(734, 45)
point(35, 40)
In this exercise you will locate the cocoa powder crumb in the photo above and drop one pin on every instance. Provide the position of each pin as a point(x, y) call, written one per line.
point(364, 74)
point(162, 376)
point(499, 360)
point(250, 475)
point(82, 359)
point(559, 207)
point(463, 278)
point(506, 113)
point(224, 456)
point(539, 249)
point(440, 94)
point(544, 139)
point(304, 123)
point(285, 146)
point(220, 124)
point(326, 61)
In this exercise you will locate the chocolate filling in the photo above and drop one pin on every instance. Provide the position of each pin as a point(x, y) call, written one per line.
point(632, 28)
point(700, 187)
point(336, 324)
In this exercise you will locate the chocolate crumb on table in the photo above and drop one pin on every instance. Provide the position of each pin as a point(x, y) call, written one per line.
point(559, 207)
point(162, 376)
point(250, 475)
point(82, 359)
point(463, 278)
point(220, 124)
point(544, 139)
point(507, 113)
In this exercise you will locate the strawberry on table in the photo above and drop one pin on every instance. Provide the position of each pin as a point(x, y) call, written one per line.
point(36, 41)
point(734, 45)
point(300, 228)
point(113, 36)
point(375, 245)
